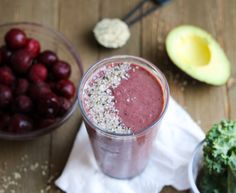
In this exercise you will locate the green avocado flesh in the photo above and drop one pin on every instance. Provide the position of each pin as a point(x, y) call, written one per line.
point(198, 54)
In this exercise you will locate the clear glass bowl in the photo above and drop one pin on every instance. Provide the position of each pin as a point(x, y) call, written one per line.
point(55, 41)
point(195, 166)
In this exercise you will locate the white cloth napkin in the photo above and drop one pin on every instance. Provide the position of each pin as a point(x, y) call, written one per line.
point(173, 147)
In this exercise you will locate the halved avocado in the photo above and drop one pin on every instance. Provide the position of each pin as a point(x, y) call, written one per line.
point(198, 54)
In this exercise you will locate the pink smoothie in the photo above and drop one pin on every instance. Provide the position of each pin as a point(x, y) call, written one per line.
point(122, 102)
point(139, 99)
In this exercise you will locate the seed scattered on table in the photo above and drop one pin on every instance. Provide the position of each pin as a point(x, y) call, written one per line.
point(34, 166)
point(10, 178)
point(199, 122)
point(17, 175)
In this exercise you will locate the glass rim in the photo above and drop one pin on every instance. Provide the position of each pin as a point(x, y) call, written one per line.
point(192, 182)
point(36, 133)
point(124, 136)
point(65, 41)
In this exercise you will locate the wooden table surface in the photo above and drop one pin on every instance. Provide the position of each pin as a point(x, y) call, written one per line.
point(42, 160)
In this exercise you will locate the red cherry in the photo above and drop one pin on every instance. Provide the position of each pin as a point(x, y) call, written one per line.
point(66, 88)
point(22, 104)
point(48, 105)
point(47, 57)
point(20, 124)
point(5, 55)
point(38, 89)
point(65, 105)
point(38, 73)
point(5, 96)
point(4, 121)
point(6, 76)
point(61, 70)
point(21, 61)
point(33, 47)
point(22, 86)
point(52, 85)
point(1, 57)
point(15, 38)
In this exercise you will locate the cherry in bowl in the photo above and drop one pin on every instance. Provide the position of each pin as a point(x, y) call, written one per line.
point(31, 73)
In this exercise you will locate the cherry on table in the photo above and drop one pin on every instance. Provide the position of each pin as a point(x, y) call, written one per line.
point(22, 104)
point(20, 123)
point(66, 88)
point(15, 38)
point(22, 86)
point(21, 61)
point(47, 57)
point(33, 47)
point(38, 73)
point(6, 76)
point(5, 96)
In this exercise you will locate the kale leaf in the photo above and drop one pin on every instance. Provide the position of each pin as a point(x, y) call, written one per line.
point(219, 146)
point(219, 162)
point(211, 183)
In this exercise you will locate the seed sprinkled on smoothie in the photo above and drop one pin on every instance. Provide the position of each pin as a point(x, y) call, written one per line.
point(99, 101)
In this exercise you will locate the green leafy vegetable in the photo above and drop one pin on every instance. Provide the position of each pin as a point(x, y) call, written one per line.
point(210, 183)
point(232, 172)
point(219, 162)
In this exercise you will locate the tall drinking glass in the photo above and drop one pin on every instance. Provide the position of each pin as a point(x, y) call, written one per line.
point(123, 156)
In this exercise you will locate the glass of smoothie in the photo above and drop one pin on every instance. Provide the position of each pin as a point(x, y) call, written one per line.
point(122, 100)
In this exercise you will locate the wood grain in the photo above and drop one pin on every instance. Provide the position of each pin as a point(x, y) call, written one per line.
point(206, 104)
point(118, 9)
point(199, 96)
point(154, 31)
point(75, 19)
point(228, 29)
point(20, 157)
point(76, 25)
